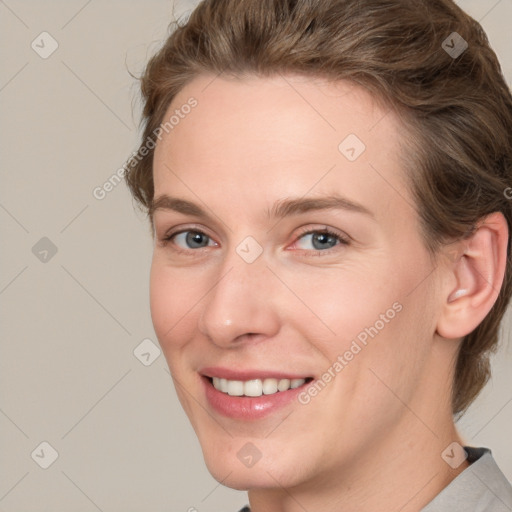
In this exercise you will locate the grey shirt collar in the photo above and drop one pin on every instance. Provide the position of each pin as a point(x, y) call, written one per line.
point(481, 487)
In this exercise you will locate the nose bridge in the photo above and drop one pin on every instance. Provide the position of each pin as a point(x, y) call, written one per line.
point(239, 302)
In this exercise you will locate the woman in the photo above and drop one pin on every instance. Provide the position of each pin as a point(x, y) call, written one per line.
point(326, 186)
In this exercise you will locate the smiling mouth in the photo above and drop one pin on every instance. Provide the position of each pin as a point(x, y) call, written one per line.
point(256, 387)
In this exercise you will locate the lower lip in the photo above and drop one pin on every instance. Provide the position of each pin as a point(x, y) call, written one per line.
point(248, 408)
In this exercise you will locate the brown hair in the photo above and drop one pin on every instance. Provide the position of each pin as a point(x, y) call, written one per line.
point(458, 108)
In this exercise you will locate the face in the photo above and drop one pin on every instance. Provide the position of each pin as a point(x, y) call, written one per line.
point(299, 262)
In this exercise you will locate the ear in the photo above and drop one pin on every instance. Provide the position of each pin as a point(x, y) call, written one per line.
point(478, 270)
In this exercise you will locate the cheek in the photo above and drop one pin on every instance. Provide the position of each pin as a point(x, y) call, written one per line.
point(172, 301)
point(368, 316)
point(342, 303)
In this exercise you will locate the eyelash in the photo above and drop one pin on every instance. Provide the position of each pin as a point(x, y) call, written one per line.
point(343, 241)
point(324, 231)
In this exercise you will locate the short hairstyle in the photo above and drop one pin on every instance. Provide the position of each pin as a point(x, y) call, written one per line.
point(453, 100)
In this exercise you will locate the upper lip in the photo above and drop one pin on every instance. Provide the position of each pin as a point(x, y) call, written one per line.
point(244, 375)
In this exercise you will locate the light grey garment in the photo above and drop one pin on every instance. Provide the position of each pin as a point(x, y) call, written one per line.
point(481, 487)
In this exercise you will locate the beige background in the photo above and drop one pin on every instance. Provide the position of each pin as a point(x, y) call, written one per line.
point(70, 325)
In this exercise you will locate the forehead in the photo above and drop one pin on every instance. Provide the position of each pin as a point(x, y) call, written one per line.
point(276, 110)
point(283, 135)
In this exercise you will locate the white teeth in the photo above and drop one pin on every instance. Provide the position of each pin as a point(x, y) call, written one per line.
point(283, 384)
point(235, 387)
point(295, 383)
point(255, 387)
point(269, 386)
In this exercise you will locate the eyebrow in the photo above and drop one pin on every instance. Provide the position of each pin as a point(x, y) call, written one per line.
point(281, 208)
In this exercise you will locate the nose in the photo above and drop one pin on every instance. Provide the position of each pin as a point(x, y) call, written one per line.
point(241, 304)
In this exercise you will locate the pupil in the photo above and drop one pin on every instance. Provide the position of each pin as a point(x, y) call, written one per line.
point(322, 238)
point(194, 238)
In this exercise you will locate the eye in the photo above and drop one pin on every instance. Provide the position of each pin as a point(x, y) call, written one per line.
point(322, 240)
point(188, 239)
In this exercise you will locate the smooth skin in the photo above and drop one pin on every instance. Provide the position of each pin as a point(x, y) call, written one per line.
point(372, 439)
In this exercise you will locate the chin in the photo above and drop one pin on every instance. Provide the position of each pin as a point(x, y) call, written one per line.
point(242, 479)
point(265, 473)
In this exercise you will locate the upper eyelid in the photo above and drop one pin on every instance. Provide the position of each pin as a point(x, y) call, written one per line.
point(171, 232)
point(303, 231)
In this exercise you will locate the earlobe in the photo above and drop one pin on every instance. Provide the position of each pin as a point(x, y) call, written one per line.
point(478, 275)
